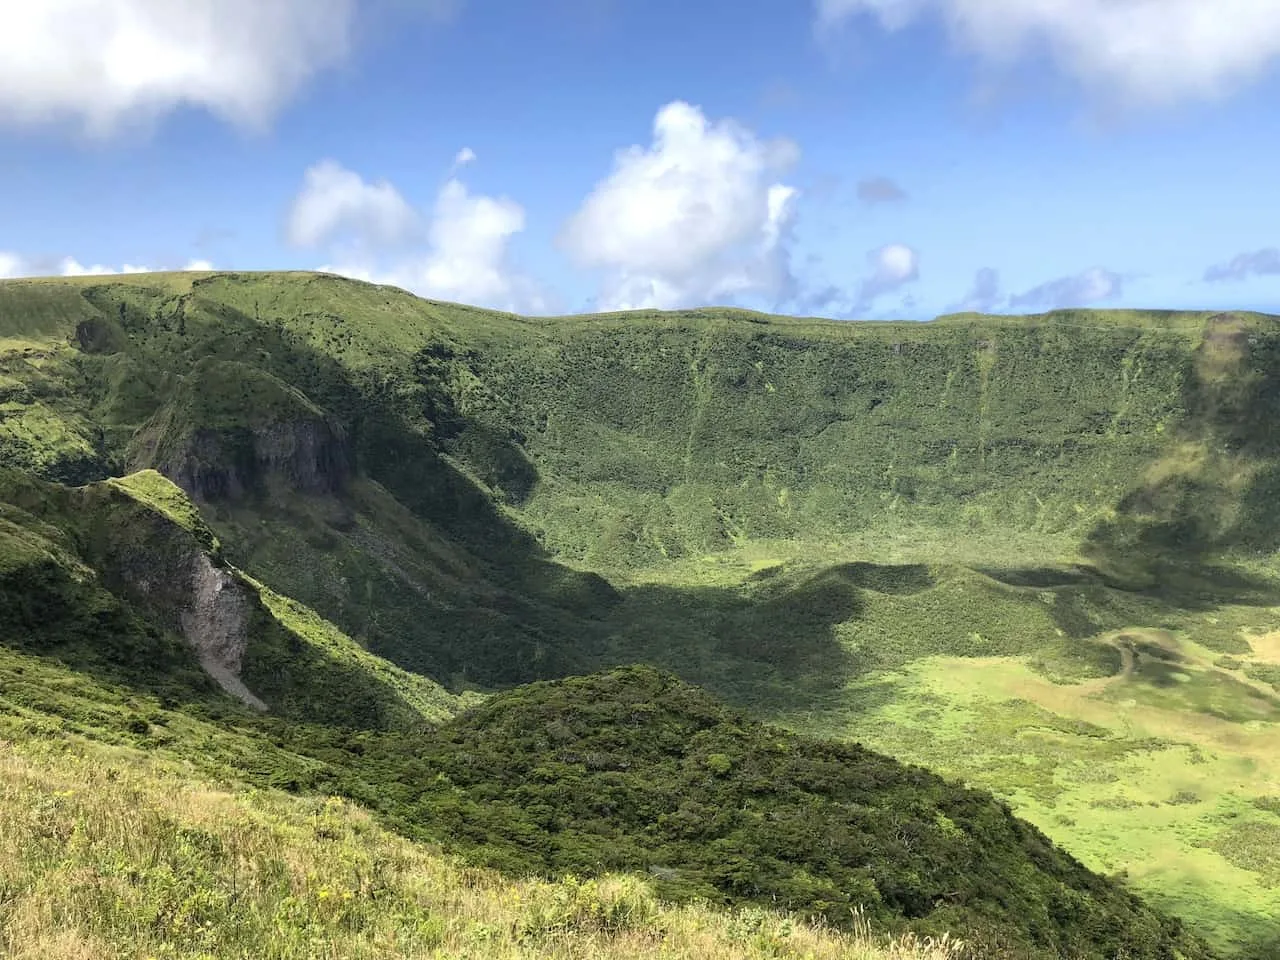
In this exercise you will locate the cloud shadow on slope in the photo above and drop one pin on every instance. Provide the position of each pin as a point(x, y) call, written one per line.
point(1214, 496)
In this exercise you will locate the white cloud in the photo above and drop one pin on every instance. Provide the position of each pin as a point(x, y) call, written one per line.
point(335, 200)
point(468, 247)
point(13, 265)
point(198, 266)
point(1132, 51)
point(892, 266)
point(100, 63)
point(693, 217)
point(465, 155)
point(466, 257)
point(70, 267)
point(983, 296)
point(1089, 286)
point(1244, 265)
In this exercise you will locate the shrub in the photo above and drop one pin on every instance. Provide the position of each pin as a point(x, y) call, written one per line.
point(610, 904)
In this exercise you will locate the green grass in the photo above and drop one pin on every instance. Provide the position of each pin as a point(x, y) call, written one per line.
point(107, 853)
point(1171, 793)
point(161, 494)
point(806, 517)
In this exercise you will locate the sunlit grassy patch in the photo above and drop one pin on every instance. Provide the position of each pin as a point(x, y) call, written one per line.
point(1176, 798)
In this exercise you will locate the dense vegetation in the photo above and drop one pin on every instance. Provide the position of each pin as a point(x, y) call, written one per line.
point(819, 522)
point(635, 770)
point(110, 854)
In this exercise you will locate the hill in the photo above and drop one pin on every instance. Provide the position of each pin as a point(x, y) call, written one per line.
point(123, 580)
point(183, 868)
point(635, 770)
point(1033, 553)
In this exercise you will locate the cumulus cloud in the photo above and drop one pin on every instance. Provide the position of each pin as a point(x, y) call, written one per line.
point(1086, 287)
point(1242, 266)
point(696, 216)
point(100, 63)
point(983, 296)
point(880, 190)
point(1136, 51)
point(463, 157)
point(892, 266)
point(468, 248)
point(466, 256)
point(71, 267)
point(14, 265)
point(335, 201)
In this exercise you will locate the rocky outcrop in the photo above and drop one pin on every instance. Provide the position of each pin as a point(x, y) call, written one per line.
point(215, 622)
point(309, 456)
point(162, 568)
point(231, 430)
point(100, 335)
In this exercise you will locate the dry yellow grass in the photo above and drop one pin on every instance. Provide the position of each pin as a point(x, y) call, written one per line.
point(1265, 647)
point(107, 855)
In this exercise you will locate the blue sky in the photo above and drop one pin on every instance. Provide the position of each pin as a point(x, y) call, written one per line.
point(868, 158)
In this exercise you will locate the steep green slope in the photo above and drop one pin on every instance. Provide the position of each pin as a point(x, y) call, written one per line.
point(812, 519)
point(324, 478)
point(123, 580)
point(705, 432)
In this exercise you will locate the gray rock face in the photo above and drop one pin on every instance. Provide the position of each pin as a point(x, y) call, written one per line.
point(309, 456)
point(312, 456)
point(215, 622)
point(163, 567)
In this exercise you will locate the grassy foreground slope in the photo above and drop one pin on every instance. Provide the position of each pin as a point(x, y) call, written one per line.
point(108, 854)
point(120, 614)
point(815, 520)
point(850, 834)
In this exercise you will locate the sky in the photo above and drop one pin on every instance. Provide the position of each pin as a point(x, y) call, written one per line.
point(845, 158)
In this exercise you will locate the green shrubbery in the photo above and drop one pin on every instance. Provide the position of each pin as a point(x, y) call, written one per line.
point(608, 904)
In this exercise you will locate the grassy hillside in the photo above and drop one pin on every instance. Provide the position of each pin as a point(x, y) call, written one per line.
point(635, 769)
point(123, 580)
point(120, 614)
point(823, 523)
point(109, 854)
point(734, 816)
